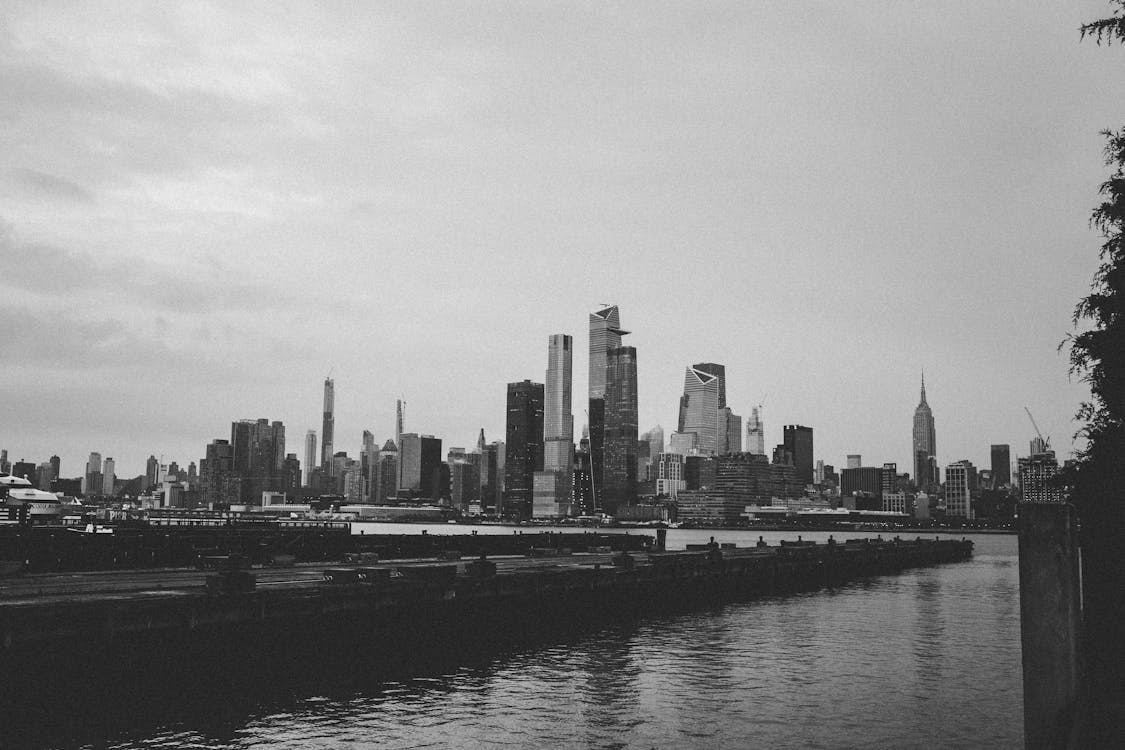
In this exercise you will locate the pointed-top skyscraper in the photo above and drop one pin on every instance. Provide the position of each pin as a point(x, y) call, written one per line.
point(605, 336)
point(925, 442)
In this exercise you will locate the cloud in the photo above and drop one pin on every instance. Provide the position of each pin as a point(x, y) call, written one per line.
point(49, 186)
point(42, 269)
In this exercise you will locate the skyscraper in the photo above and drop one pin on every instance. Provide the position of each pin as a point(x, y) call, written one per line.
point(329, 425)
point(925, 443)
point(385, 474)
point(619, 486)
point(420, 466)
point(552, 490)
point(310, 456)
point(704, 395)
point(152, 470)
point(960, 481)
point(524, 446)
point(605, 335)
point(799, 443)
point(755, 434)
point(92, 479)
point(109, 477)
point(1001, 466)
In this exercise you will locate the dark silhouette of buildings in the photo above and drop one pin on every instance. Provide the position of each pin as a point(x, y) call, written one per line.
point(798, 442)
point(621, 428)
point(1001, 466)
point(523, 445)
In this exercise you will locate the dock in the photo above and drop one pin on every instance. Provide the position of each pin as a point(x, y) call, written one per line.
point(99, 609)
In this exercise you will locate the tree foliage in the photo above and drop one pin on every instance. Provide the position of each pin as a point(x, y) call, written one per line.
point(1097, 355)
point(1107, 29)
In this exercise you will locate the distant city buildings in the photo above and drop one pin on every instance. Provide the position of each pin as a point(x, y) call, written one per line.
point(798, 441)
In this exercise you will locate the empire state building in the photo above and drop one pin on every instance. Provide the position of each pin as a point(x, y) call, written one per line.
point(925, 443)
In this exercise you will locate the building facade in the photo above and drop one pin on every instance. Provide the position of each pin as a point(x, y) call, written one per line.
point(798, 441)
point(925, 444)
point(328, 425)
point(621, 424)
point(524, 447)
point(605, 336)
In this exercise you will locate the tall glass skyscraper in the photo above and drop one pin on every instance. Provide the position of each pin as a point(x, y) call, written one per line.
point(705, 394)
point(925, 443)
point(619, 486)
point(552, 496)
point(329, 424)
point(605, 335)
point(310, 455)
point(524, 446)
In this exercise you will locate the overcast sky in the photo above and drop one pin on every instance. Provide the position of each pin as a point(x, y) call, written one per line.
point(205, 208)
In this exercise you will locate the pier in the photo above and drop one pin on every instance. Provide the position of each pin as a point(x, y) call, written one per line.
point(41, 612)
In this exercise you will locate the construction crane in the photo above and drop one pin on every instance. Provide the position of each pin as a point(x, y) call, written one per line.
point(1045, 441)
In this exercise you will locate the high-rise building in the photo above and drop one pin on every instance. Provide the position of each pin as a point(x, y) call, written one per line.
point(152, 470)
point(925, 444)
point(420, 467)
point(400, 419)
point(524, 446)
point(704, 396)
point(255, 445)
point(5, 464)
point(552, 494)
point(1001, 466)
point(730, 438)
point(109, 477)
point(219, 483)
point(798, 441)
point(56, 467)
point(755, 434)
point(605, 335)
point(310, 457)
point(960, 481)
point(328, 427)
point(1038, 446)
point(384, 480)
point(1036, 475)
point(92, 479)
point(558, 418)
point(619, 463)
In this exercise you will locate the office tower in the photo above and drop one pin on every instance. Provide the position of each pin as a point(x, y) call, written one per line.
point(310, 456)
point(704, 395)
point(192, 475)
point(960, 481)
point(109, 477)
point(866, 480)
point(255, 445)
point(605, 335)
point(56, 467)
point(152, 467)
point(385, 474)
point(684, 443)
point(730, 440)
point(219, 483)
point(755, 434)
point(354, 482)
point(925, 443)
point(5, 464)
point(400, 420)
point(619, 462)
point(464, 481)
point(799, 443)
point(290, 474)
point(669, 469)
point(583, 490)
point(92, 479)
point(1036, 475)
point(524, 446)
point(328, 427)
point(552, 486)
point(420, 467)
point(1001, 466)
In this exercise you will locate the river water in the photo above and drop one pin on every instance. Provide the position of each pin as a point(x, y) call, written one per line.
point(927, 658)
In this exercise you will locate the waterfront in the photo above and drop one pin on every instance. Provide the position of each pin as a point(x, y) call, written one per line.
point(926, 658)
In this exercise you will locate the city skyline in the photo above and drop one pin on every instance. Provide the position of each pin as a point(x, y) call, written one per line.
point(158, 273)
